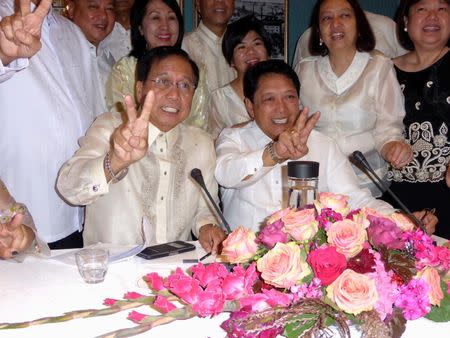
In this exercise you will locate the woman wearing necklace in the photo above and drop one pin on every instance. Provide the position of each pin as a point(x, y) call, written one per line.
point(354, 87)
point(423, 73)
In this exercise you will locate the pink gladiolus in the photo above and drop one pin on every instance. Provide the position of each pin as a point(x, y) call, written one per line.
point(136, 316)
point(206, 274)
point(109, 301)
point(256, 302)
point(133, 295)
point(185, 287)
point(155, 281)
point(163, 305)
point(209, 302)
point(239, 283)
point(273, 233)
point(277, 298)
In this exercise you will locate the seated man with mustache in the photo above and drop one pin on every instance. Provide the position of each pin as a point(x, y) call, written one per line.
point(127, 170)
point(250, 157)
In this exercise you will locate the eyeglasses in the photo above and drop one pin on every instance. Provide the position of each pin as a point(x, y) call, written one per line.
point(183, 85)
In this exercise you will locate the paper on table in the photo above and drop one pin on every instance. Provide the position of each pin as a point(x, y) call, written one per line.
point(116, 252)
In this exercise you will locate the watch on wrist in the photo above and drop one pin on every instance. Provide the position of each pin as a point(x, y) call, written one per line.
point(114, 177)
point(272, 153)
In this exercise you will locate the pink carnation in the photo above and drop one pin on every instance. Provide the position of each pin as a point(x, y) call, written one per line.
point(185, 287)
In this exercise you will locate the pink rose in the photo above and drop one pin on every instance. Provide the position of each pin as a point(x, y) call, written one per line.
point(338, 203)
point(301, 225)
point(277, 215)
point(272, 233)
point(402, 221)
point(284, 265)
point(239, 283)
point(163, 305)
point(353, 292)
point(347, 236)
point(431, 276)
point(207, 274)
point(239, 246)
point(327, 264)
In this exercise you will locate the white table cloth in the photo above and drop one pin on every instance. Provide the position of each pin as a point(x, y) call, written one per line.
point(46, 287)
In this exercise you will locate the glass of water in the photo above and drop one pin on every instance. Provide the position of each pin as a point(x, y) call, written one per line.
point(92, 264)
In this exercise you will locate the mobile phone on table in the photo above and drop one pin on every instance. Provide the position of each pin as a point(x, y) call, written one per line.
point(166, 249)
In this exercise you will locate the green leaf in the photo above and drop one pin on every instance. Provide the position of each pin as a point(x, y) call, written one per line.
point(296, 329)
point(320, 237)
point(441, 313)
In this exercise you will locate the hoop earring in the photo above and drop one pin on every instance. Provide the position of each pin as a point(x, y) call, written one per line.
point(320, 42)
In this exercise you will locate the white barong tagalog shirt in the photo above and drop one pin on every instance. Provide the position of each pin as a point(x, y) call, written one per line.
point(363, 109)
point(158, 186)
point(45, 108)
point(249, 202)
point(225, 109)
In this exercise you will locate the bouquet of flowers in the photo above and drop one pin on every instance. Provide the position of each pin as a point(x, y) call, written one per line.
point(307, 273)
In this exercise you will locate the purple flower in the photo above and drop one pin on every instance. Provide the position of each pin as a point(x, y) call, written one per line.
point(383, 231)
point(273, 233)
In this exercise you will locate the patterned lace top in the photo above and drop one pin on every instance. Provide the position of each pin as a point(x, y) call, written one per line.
point(427, 122)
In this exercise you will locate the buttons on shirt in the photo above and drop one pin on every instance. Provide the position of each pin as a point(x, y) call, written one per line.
point(165, 173)
point(95, 188)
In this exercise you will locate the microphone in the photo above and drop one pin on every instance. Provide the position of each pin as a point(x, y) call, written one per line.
point(196, 174)
point(359, 158)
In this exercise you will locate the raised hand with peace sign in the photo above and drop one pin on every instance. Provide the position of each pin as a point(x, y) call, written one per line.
point(291, 144)
point(129, 140)
point(20, 33)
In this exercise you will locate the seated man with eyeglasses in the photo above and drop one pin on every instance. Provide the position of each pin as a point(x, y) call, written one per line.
point(138, 167)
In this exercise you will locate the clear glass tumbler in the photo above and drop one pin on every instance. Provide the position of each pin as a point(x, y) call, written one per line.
point(92, 264)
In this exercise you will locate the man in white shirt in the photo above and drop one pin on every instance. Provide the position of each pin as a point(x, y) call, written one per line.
point(46, 107)
point(119, 41)
point(384, 30)
point(96, 20)
point(140, 169)
point(250, 158)
point(20, 38)
point(204, 46)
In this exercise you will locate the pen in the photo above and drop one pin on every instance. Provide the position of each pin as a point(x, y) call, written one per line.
point(205, 256)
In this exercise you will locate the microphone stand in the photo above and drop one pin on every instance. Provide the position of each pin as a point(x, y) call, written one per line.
point(358, 157)
point(196, 174)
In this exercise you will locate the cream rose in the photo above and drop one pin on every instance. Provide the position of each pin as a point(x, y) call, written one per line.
point(338, 203)
point(278, 215)
point(402, 221)
point(283, 266)
point(353, 292)
point(239, 246)
point(347, 236)
point(301, 225)
point(431, 276)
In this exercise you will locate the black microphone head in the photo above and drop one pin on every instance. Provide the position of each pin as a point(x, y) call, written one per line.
point(359, 157)
point(196, 174)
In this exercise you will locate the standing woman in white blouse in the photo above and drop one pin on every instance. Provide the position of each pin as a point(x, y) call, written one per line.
point(354, 88)
point(244, 44)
